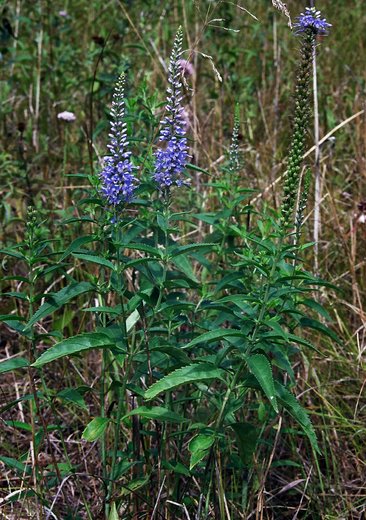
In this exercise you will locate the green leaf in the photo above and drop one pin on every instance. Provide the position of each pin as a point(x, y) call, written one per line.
point(113, 515)
point(134, 485)
point(146, 249)
point(13, 364)
point(247, 437)
point(74, 345)
point(13, 253)
point(11, 404)
point(57, 300)
point(76, 244)
point(304, 342)
point(199, 448)
point(11, 317)
point(95, 260)
point(73, 396)
point(317, 307)
point(184, 375)
point(184, 265)
point(157, 412)
point(292, 405)
point(195, 168)
point(103, 309)
point(176, 467)
point(323, 329)
point(95, 428)
point(202, 441)
point(15, 464)
point(213, 335)
point(190, 248)
point(260, 367)
point(132, 319)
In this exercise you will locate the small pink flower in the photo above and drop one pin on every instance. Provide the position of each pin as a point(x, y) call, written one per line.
point(69, 117)
point(186, 119)
point(64, 14)
point(187, 67)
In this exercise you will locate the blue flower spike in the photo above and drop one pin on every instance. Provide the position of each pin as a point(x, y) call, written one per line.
point(118, 180)
point(171, 158)
point(311, 20)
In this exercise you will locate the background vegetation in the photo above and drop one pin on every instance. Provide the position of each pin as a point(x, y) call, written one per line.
point(58, 56)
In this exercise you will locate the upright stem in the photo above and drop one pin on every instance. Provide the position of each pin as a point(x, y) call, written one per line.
point(317, 195)
point(121, 391)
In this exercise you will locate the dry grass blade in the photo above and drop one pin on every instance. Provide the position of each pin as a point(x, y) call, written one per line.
point(283, 8)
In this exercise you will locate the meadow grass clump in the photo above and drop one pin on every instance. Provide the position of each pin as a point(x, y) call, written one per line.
point(159, 329)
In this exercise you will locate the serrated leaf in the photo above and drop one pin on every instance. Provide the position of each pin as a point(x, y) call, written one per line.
point(57, 300)
point(317, 307)
point(76, 244)
point(13, 364)
point(182, 376)
point(323, 329)
point(184, 265)
point(95, 259)
point(156, 412)
point(103, 309)
point(190, 248)
point(74, 345)
point(95, 428)
point(213, 335)
point(292, 405)
point(260, 367)
point(145, 248)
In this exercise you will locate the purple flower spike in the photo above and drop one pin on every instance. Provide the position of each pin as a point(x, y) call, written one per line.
point(172, 157)
point(118, 180)
point(311, 20)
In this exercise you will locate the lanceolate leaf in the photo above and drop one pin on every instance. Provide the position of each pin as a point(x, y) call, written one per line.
point(76, 244)
point(184, 265)
point(213, 335)
point(95, 428)
point(74, 345)
point(199, 448)
point(12, 364)
point(190, 248)
point(157, 412)
point(289, 401)
point(94, 259)
point(181, 376)
point(323, 329)
point(57, 300)
point(259, 366)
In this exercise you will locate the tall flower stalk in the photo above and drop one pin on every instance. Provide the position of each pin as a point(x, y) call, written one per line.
point(171, 158)
point(234, 158)
point(309, 24)
point(118, 180)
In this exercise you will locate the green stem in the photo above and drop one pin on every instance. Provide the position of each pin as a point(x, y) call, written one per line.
point(253, 337)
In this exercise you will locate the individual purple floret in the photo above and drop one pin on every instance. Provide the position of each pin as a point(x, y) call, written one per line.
point(311, 20)
point(118, 180)
point(172, 157)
